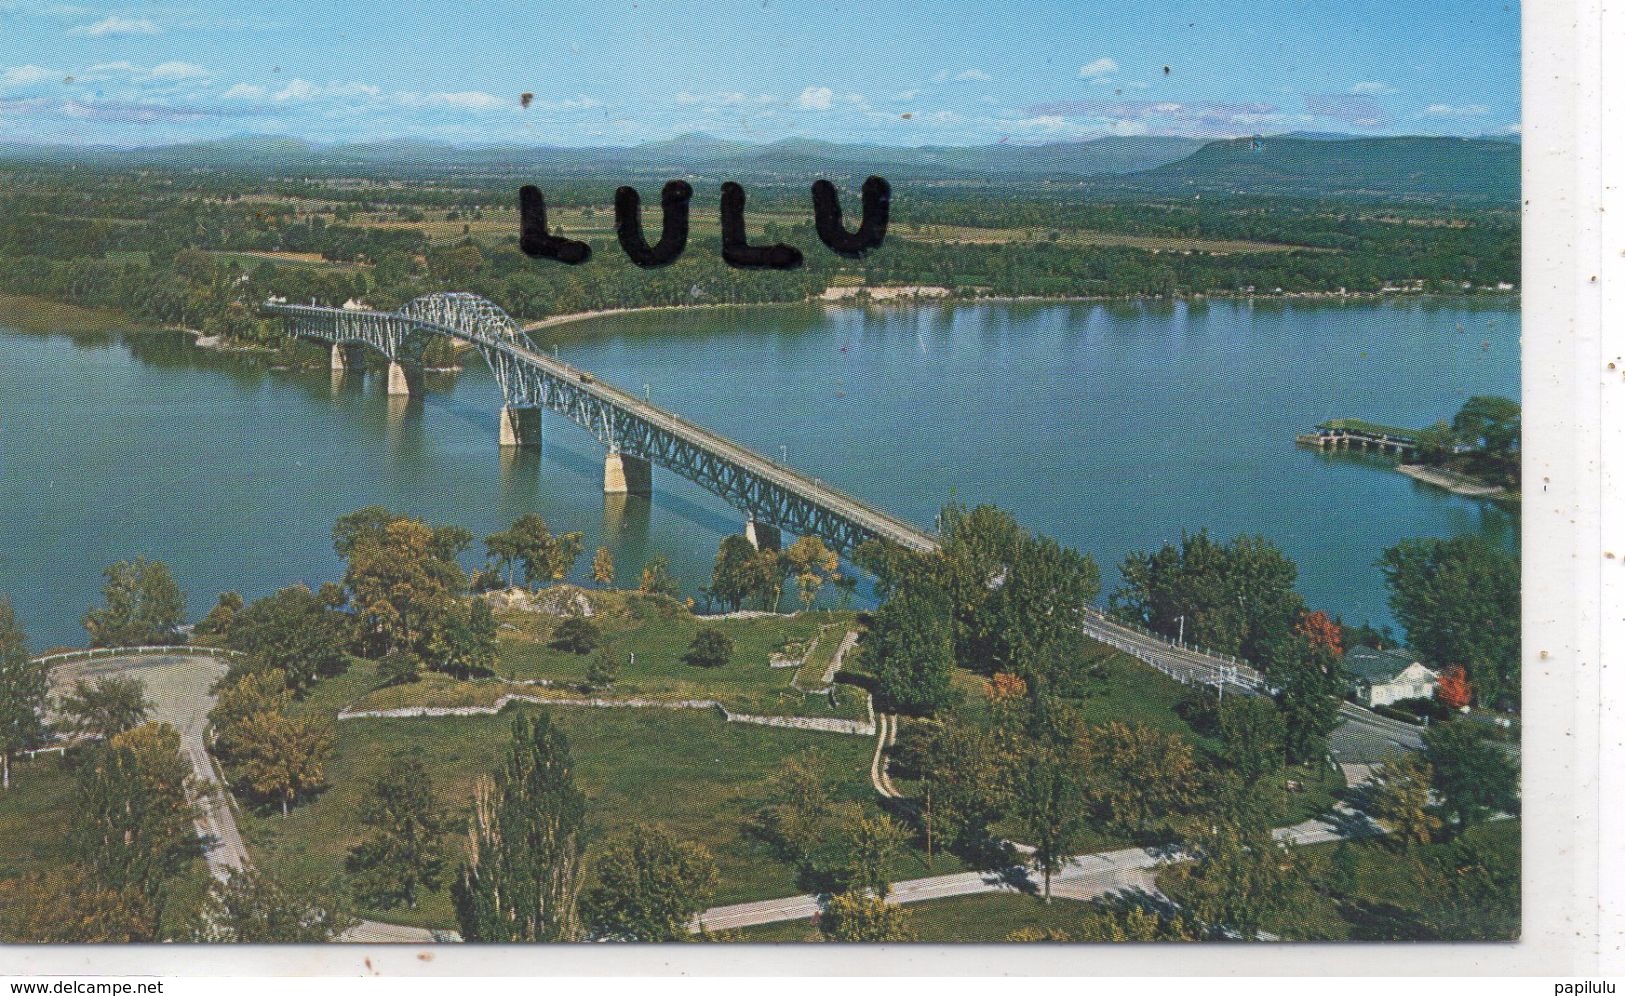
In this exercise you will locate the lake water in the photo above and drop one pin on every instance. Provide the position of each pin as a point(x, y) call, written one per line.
point(1111, 427)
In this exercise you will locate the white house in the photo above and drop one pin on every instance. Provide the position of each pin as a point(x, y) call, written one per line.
point(1383, 677)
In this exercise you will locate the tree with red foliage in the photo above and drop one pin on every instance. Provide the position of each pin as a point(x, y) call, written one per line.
point(1454, 690)
point(1321, 631)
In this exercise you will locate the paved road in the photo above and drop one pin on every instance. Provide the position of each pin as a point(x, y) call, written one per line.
point(178, 686)
point(1087, 876)
point(1363, 736)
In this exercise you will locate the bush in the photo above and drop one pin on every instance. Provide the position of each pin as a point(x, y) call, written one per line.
point(577, 635)
point(711, 648)
point(1433, 709)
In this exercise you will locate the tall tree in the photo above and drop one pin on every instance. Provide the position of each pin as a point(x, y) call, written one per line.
point(909, 647)
point(812, 563)
point(219, 619)
point(1401, 800)
point(281, 757)
point(134, 820)
point(23, 689)
point(872, 843)
point(1235, 598)
point(144, 606)
point(1051, 800)
point(735, 576)
point(246, 695)
point(656, 578)
point(532, 546)
point(1459, 601)
point(1138, 780)
point(650, 886)
point(252, 906)
point(1475, 777)
point(405, 853)
point(1237, 878)
point(467, 645)
point(523, 872)
point(293, 631)
point(1252, 737)
point(106, 708)
point(403, 588)
point(1309, 684)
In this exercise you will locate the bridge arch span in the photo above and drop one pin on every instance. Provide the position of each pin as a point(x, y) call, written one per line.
point(636, 433)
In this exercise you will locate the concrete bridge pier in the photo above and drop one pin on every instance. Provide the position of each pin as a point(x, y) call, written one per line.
point(344, 357)
point(400, 382)
point(520, 427)
point(625, 474)
point(761, 535)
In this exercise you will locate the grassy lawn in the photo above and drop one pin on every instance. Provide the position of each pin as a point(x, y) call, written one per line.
point(984, 917)
point(35, 814)
point(649, 636)
point(689, 770)
point(819, 656)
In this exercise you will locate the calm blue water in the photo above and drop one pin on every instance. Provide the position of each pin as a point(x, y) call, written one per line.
point(1111, 427)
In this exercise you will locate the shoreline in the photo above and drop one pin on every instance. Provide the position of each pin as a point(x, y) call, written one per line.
point(913, 298)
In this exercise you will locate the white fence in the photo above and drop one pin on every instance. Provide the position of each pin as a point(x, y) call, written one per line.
point(165, 649)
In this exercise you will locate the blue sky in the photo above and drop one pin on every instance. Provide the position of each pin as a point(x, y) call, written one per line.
point(625, 72)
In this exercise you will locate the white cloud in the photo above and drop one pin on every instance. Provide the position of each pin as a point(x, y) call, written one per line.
point(472, 100)
point(1455, 111)
point(908, 95)
point(1103, 66)
point(245, 91)
point(177, 70)
point(24, 75)
point(295, 90)
point(816, 98)
point(1043, 122)
point(974, 74)
point(1371, 88)
point(116, 27)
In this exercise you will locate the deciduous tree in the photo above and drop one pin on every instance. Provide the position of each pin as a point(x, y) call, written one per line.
point(857, 917)
point(1459, 602)
point(1475, 777)
point(405, 854)
point(603, 567)
point(650, 887)
point(283, 758)
point(577, 634)
point(106, 708)
point(293, 631)
point(254, 907)
point(1400, 799)
point(23, 688)
point(133, 828)
point(143, 606)
point(909, 647)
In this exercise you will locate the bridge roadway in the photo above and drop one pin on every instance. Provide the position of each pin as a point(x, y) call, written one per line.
point(636, 432)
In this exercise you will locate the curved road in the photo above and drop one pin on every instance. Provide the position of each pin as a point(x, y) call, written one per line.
point(179, 687)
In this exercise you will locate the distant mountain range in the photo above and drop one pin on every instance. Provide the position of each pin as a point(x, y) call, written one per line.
point(1301, 164)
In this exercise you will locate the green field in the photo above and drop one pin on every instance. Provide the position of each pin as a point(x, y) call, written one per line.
point(700, 776)
point(649, 637)
point(34, 813)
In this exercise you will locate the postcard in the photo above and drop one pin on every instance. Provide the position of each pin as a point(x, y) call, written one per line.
point(1015, 473)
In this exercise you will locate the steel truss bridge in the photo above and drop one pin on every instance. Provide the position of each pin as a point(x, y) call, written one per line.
point(636, 433)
